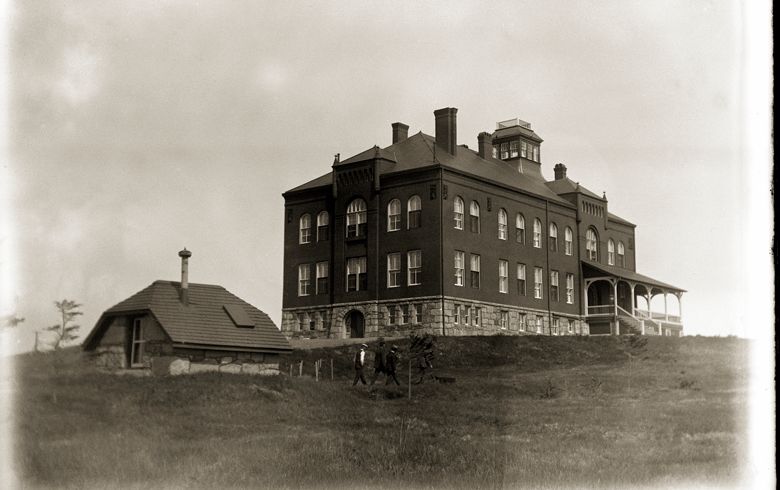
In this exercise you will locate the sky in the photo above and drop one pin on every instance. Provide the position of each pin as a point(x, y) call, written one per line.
point(134, 129)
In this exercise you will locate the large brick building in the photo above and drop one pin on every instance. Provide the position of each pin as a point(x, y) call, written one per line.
point(431, 236)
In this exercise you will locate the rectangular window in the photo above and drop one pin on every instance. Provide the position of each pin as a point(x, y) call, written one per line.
point(556, 324)
point(474, 271)
point(466, 314)
point(302, 321)
point(312, 321)
point(569, 323)
point(456, 312)
point(504, 319)
point(404, 314)
point(504, 151)
point(323, 233)
point(521, 279)
point(322, 278)
point(477, 311)
point(503, 276)
point(393, 270)
point(513, 149)
point(524, 149)
point(137, 349)
point(460, 259)
point(356, 274)
point(568, 242)
point(418, 313)
point(570, 288)
point(538, 282)
point(521, 321)
point(304, 280)
point(414, 262)
point(554, 285)
point(539, 324)
point(391, 314)
point(415, 218)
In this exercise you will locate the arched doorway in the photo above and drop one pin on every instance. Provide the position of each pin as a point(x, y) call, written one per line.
point(355, 324)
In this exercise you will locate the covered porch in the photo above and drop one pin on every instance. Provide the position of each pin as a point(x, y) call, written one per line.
point(620, 302)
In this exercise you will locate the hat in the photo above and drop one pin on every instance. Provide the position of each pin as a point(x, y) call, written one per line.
point(364, 346)
point(395, 347)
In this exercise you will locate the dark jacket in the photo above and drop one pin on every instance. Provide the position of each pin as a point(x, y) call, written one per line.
point(380, 359)
point(358, 362)
point(392, 362)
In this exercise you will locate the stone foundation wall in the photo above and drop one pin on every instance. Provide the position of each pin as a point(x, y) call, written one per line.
point(329, 320)
point(163, 359)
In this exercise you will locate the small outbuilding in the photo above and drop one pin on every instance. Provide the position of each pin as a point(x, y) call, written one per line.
point(180, 328)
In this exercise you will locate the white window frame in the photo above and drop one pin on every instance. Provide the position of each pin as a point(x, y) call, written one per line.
point(357, 214)
point(537, 233)
point(504, 320)
point(414, 206)
point(304, 229)
point(610, 252)
point(503, 276)
point(513, 149)
point(474, 217)
point(304, 280)
point(568, 237)
point(521, 276)
point(502, 224)
point(504, 151)
point(553, 237)
point(456, 311)
point(539, 324)
point(394, 270)
point(521, 319)
point(524, 149)
point(137, 346)
point(477, 311)
point(554, 290)
point(592, 244)
point(538, 283)
point(394, 215)
point(556, 325)
point(621, 255)
point(322, 273)
point(570, 289)
point(414, 267)
point(458, 212)
point(520, 228)
point(323, 224)
point(474, 268)
point(460, 265)
point(356, 266)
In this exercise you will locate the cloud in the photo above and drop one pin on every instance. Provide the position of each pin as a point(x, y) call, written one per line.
point(80, 78)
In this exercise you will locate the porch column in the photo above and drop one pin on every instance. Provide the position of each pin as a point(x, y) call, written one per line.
point(666, 310)
point(679, 301)
point(633, 300)
point(587, 286)
point(614, 296)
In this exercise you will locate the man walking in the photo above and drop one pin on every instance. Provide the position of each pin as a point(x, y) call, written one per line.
point(379, 362)
point(392, 364)
point(360, 360)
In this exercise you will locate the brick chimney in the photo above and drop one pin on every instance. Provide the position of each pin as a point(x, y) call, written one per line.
point(485, 143)
point(400, 132)
point(185, 255)
point(447, 130)
point(560, 171)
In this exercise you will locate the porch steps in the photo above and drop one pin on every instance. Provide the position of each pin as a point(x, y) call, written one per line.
point(629, 325)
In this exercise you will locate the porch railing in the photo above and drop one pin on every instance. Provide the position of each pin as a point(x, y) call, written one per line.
point(601, 310)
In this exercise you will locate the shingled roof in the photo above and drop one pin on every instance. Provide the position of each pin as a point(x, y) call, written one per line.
point(419, 151)
point(205, 323)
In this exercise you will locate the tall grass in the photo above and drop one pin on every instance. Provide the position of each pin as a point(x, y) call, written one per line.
point(493, 428)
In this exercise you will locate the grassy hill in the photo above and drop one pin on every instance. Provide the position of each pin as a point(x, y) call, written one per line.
point(535, 412)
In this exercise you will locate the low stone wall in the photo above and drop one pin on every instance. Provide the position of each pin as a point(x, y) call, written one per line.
point(165, 360)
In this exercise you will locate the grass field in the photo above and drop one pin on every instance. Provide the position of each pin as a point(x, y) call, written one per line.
point(524, 412)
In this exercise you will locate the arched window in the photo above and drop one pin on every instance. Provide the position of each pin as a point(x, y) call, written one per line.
point(502, 224)
point(621, 255)
point(567, 237)
point(414, 212)
point(474, 216)
point(458, 209)
point(323, 222)
point(394, 215)
point(305, 234)
point(356, 218)
point(520, 229)
point(537, 233)
point(591, 244)
point(610, 252)
point(553, 238)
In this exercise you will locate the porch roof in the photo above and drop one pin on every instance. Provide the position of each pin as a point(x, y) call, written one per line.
point(590, 269)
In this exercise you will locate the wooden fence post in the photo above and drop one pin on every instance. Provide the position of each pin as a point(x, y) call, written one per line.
point(410, 379)
point(300, 369)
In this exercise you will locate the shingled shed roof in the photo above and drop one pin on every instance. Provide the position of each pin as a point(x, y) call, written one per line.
point(212, 318)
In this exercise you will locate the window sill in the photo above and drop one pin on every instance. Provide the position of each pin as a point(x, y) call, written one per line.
point(361, 238)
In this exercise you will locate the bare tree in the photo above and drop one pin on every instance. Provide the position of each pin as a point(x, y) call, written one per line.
point(9, 322)
point(64, 332)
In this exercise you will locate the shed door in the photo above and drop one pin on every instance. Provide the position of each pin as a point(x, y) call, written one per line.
point(137, 344)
